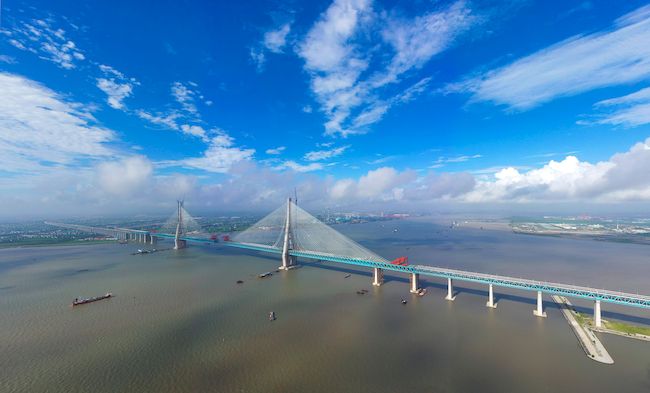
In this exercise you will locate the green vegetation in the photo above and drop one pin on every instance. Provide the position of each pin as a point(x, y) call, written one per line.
point(627, 328)
point(586, 320)
point(583, 319)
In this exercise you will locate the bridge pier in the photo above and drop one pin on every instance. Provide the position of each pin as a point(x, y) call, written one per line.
point(540, 310)
point(597, 319)
point(450, 290)
point(415, 283)
point(377, 276)
point(179, 244)
point(153, 239)
point(490, 303)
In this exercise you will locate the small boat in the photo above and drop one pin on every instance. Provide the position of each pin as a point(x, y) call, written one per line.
point(347, 275)
point(272, 316)
point(79, 301)
point(421, 292)
point(404, 301)
point(240, 282)
point(264, 275)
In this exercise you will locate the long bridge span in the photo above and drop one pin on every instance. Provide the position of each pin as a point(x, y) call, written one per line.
point(292, 233)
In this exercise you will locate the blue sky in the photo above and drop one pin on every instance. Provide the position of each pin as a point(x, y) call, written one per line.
point(357, 103)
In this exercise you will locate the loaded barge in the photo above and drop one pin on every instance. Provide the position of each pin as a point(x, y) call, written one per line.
point(79, 301)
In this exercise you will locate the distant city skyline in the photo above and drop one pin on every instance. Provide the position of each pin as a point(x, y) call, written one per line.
point(124, 107)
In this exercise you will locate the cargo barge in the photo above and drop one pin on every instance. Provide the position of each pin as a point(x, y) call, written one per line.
point(79, 301)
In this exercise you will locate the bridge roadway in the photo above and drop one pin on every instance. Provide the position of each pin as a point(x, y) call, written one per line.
point(594, 294)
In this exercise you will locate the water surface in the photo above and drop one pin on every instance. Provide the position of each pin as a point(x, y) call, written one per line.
point(180, 323)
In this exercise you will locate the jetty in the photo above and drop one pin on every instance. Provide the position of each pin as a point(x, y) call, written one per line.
point(588, 341)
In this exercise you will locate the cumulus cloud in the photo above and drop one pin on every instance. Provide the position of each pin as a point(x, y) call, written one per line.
point(623, 177)
point(581, 63)
point(383, 183)
point(219, 157)
point(122, 178)
point(39, 128)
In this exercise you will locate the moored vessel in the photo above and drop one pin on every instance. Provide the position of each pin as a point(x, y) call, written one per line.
point(79, 301)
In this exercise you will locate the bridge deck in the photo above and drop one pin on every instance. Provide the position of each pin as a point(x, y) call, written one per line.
point(623, 298)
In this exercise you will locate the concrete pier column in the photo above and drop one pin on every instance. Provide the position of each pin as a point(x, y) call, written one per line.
point(490, 303)
point(415, 283)
point(153, 239)
point(597, 320)
point(179, 244)
point(450, 290)
point(377, 276)
point(540, 310)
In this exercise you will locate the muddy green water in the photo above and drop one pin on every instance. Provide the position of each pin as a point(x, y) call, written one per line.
point(180, 323)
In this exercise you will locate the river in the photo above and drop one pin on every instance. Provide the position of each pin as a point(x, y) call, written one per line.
point(179, 322)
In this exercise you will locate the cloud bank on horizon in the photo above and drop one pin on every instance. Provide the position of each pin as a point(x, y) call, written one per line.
point(357, 103)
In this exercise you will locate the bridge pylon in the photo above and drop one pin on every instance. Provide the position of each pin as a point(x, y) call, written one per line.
point(288, 261)
point(178, 242)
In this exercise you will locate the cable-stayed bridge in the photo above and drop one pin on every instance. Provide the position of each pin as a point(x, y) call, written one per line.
point(293, 233)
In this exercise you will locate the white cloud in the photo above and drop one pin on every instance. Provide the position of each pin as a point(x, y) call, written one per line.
point(623, 177)
point(320, 155)
point(276, 151)
point(314, 166)
point(116, 86)
point(617, 56)
point(383, 183)
point(631, 110)
point(343, 43)
point(7, 59)
point(46, 41)
point(307, 109)
point(441, 161)
point(258, 57)
point(219, 157)
point(415, 41)
point(116, 92)
point(124, 177)
point(195, 130)
point(165, 120)
point(185, 94)
point(38, 128)
point(275, 40)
